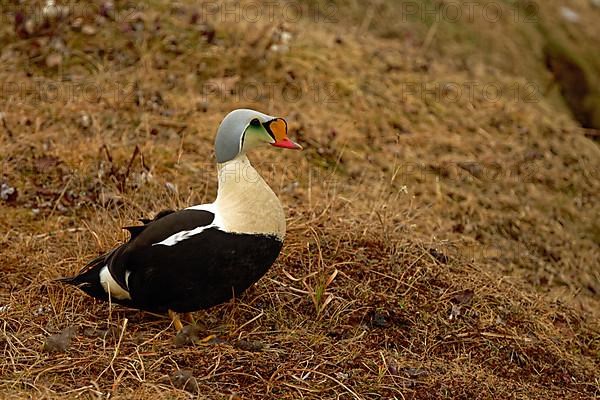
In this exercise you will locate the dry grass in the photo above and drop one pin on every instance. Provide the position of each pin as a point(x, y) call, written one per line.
point(436, 248)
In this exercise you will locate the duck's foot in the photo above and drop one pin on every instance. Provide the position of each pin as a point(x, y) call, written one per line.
point(207, 339)
point(176, 321)
point(188, 334)
point(191, 335)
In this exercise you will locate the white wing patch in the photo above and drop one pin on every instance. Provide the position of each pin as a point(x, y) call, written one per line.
point(127, 273)
point(180, 236)
point(111, 286)
point(183, 235)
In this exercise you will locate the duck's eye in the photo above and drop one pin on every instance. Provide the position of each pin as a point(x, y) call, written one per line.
point(255, 122)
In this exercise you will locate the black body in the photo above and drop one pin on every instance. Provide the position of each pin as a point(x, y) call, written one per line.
point(198, 272)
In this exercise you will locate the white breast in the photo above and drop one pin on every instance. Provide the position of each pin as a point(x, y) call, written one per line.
point(245, 203)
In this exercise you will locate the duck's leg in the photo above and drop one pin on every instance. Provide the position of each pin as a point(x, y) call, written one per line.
point(176, 321)
point(189, 317)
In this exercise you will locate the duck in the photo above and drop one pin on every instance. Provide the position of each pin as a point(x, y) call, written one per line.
point(183, 261)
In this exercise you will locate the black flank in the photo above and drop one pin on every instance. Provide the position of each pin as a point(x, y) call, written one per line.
point(198, 272)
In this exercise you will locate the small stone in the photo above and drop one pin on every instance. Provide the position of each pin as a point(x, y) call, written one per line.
point(249, 345)
point(378, 320)
point(60, 342)
point(187, 336)
point(569, 14)
point(54, 60)
point(50, 11)
point(172, 188)
point(342, 375)
point(464, 297)
point(46, 163)
point(77, 24)
point(414, 372)
point(208, 32)
point(392, 366)
point(85, 121)
point(292, 187)
point(90, 332)
point(88, 30)
point(184, 379)
point(57, 44)
point(30, 27)
point(108, 10)
point(111, 334)
point(202, 106)
point(439, 256)
point(107, 197)
point(455, 312)
point(8, 193)
point(63, 11)
point(473, 168)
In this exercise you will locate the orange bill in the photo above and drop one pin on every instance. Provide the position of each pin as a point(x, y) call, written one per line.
point(278, 128)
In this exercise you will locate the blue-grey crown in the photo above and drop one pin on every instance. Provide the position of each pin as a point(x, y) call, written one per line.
point(228, 142)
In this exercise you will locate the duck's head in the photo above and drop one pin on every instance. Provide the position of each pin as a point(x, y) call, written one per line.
point(245, 129)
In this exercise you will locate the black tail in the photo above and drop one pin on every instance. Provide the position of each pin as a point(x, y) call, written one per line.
point(88, 279)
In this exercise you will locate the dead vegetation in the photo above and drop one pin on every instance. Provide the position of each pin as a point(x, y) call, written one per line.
point(439, 245)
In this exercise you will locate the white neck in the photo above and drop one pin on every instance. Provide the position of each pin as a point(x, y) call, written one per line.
point(245, 203)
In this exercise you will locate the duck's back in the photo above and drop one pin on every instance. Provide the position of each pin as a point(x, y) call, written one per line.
point(201, 272)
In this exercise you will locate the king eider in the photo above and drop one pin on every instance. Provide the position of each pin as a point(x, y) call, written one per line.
point(204, 255)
